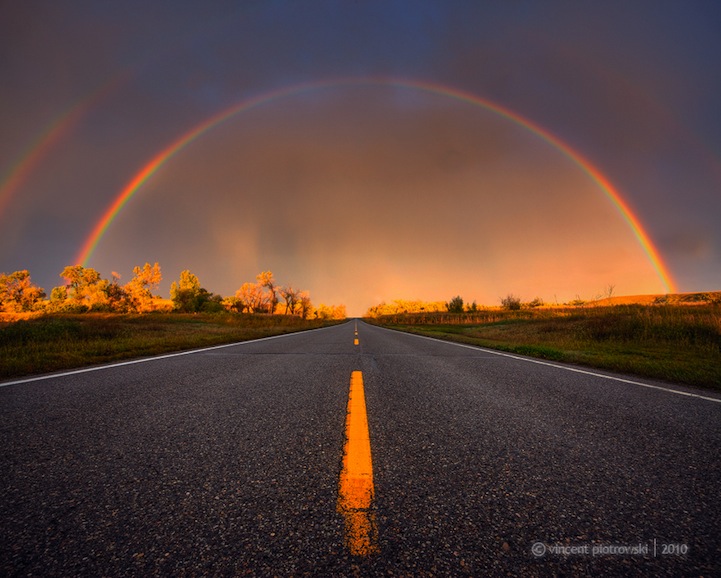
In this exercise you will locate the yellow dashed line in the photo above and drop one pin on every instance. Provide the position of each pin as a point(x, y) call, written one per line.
point(355, 491)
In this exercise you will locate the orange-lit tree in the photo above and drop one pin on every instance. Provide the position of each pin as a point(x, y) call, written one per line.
point(250, 297)
point(266, 281)
point(305, 304)
point(138, 290)
point(186, 293)
point(290, 296)
point(330, 312)
point(17, 293)
point(85, 290)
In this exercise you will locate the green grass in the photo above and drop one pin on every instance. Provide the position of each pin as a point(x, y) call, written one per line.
point(678, 343)
point(57, 342)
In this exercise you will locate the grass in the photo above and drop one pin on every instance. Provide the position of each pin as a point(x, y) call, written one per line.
point(56, 342)
point(677, 343)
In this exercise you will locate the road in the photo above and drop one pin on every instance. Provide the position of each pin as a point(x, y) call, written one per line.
point(226, 461)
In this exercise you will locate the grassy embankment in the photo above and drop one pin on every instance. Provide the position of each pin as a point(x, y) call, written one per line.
point(56, 342)
point(677, 343)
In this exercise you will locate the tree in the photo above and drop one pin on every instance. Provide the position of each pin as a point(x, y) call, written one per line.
point(455, 305)
point(117, 296)
point(138, 290)
point(511, 302)
point(86, 290)
point(290, 296)
point(210, 302)
point(58, 296)
point(233, 304)
point(17, 292)
point(263, 297)
point(251, 296)
point(305, 305)
point(330, 312)
point(187, 294)
point(265, 279)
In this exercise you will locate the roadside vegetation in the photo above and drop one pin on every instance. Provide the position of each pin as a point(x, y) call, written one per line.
point(84, 291)
point(89, 320)
point(55, 342)
point(674, 337)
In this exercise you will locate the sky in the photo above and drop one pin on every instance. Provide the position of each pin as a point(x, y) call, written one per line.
point(366, 151)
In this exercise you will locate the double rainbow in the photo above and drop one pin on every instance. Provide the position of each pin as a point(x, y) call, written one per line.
point(167, 153)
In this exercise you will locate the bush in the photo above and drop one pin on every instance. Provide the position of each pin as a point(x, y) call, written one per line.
point(511, 302)
point(455, 305)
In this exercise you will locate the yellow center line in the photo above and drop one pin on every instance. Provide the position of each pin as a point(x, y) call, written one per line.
point(355, 341)
point(355, 491)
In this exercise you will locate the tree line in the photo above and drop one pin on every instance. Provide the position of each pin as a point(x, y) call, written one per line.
point(454, 305)
point(457, 305)
point(84, 290)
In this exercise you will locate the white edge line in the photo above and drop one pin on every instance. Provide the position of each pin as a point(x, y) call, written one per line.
point(155, 358)
point(539, 362)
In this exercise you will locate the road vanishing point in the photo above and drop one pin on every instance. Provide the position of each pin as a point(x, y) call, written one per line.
point(356, 451)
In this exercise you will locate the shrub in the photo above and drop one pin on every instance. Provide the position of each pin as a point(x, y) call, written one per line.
point(455, 305)
point(511, 302)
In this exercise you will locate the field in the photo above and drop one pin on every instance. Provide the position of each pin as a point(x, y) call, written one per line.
point(55, 342)
point(677, 343)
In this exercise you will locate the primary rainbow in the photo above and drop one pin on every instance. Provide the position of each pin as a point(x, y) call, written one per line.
point(167, 153)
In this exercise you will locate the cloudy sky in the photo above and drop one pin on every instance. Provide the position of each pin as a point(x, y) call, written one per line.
point(367, 151)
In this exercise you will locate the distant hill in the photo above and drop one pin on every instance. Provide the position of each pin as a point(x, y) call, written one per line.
point(670, 299)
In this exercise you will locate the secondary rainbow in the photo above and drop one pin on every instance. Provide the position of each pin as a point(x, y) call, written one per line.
point(54, 132)
point(173, 148)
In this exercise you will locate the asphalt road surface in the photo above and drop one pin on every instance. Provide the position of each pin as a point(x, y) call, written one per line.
point(227, 461)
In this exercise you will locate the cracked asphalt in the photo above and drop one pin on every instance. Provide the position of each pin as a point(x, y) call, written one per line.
point(226, 462)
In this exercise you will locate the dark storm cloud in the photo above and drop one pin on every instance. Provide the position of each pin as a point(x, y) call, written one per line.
point(634, 87)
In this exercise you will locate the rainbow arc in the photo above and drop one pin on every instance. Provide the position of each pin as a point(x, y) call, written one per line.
point(152, 166)
point(54, 133)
